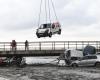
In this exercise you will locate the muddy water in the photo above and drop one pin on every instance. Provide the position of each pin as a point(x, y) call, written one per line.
point(49, 73)
point(41, 60)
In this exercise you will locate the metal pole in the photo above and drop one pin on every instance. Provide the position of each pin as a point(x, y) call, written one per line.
point(40, 45)
point(4, 47)
point(82, 45)
point(76, 45)
point(64, 46)
point(68, 44)
point(88, 43)
point(97, 46)
point(54, 45)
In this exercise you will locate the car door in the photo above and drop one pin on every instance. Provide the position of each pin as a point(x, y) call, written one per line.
point(91, 60)
point(83, 61)
point(88, 61)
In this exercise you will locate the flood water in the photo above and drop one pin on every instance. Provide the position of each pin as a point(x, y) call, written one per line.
point(48, 72)
point(41, 60)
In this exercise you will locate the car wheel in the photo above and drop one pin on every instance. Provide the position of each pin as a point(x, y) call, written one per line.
point(50, 35)
point(59, 32)
point(38, 36)
point(74, 65)
point(97, 64)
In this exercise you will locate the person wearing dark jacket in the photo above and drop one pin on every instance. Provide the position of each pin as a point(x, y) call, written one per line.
point(26, 45)
point(13, 45)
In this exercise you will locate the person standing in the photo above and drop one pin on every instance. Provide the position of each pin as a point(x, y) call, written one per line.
point(26, 45)
point(13, 45)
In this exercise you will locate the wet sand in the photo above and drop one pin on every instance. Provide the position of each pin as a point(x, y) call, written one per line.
point(49, 73)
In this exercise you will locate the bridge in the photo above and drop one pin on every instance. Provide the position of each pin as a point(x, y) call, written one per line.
point(45, 48)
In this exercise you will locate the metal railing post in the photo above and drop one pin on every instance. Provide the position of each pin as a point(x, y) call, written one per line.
point(40, 46)
point(68, 44)
point(97, 46)
point(64, 46)
point(82, 45)
point(54, 45)
point(76, 45)
point(88, 43)
point(4, 47)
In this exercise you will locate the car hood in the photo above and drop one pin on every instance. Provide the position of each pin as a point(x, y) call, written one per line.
point(42, 30)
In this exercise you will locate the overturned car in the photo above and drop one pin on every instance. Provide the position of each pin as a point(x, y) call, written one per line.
point(11, 61)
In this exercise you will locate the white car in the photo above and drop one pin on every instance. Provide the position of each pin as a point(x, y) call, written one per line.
point(48, 30)
point(90, 60)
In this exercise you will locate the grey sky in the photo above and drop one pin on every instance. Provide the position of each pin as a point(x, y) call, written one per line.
point(80, 19)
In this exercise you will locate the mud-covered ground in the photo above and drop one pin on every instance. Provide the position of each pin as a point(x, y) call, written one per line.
point(49, 73)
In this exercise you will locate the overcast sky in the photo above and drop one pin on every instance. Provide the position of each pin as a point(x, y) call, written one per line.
point(80, 20)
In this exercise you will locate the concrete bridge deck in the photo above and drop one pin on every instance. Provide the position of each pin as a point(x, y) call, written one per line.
point(32, 53)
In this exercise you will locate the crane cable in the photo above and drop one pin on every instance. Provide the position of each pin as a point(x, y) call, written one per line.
point(46, 10)
point(54, 10)
point(40, 13)
point(49, 11)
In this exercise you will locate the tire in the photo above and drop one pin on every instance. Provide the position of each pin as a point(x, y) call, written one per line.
point(74, 65)
point(59, 32)
point(38, 36)
point(97, 64)
point(50, 35)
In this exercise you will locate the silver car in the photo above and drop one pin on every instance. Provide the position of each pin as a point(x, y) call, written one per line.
point(48, 29)
point(90, 60)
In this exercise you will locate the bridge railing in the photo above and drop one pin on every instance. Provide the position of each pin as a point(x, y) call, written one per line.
point(51, 45)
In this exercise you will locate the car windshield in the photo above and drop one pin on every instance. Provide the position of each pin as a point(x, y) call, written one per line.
point(43, 26)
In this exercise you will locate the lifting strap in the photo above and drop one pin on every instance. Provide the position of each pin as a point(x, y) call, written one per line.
point(47, 5)
point(54, 10)
point(49, 10)
point(40, 13)
point(46, 10)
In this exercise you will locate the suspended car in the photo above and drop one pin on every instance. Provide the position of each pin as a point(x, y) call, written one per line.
point(52, 25)
point(48, 30)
